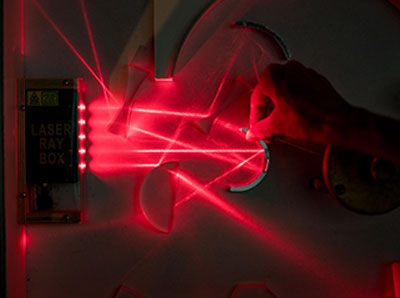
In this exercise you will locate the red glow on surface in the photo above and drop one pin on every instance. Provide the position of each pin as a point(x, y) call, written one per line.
point(196, 150)
point(169, 79)
point(396, 279)
point(22, 27)
point(395, 3)
point(24, 241)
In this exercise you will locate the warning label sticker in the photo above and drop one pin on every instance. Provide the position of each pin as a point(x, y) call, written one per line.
point(42, 98)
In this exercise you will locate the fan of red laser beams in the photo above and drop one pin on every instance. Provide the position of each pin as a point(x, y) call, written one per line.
point(117, 146)
point(154, 143)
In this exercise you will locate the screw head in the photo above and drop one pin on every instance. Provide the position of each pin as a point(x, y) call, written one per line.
point(317, 183)
point(23, 194)
point(66, 83)
point(23, 107)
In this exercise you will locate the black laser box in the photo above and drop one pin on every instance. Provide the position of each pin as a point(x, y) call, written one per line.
point(51, 133)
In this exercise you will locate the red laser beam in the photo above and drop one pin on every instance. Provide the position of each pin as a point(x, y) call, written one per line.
point(168, 79)
point(198, 150)
point(221, 204)
point(288, 249)
point(224, 78)
point(255, 69)
point(70, 45)
point(158, 136)
point(170, 113)
point(129, 166)
point(172, 142)
point(163, 112)
point(215, 180)
point(219, 154)
point(193, 29)
point(96, 58)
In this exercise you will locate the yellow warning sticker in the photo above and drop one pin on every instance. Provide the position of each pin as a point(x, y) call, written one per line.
point(42, 98)
point(34, 98)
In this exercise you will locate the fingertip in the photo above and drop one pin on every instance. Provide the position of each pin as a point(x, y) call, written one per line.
point(263, 129)
point(250, 136)
point(253, 136)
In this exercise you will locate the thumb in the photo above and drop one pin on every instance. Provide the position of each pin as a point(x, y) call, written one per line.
point(263, 129)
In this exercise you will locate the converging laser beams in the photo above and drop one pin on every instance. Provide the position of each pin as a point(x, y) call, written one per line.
point(217, 155)
point(96, 58)
point(70, 45)
point(215, 180)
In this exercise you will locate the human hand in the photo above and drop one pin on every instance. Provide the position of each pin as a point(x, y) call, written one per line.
point(305, 106)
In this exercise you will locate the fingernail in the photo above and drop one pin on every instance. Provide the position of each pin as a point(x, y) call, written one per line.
point(250, 136)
